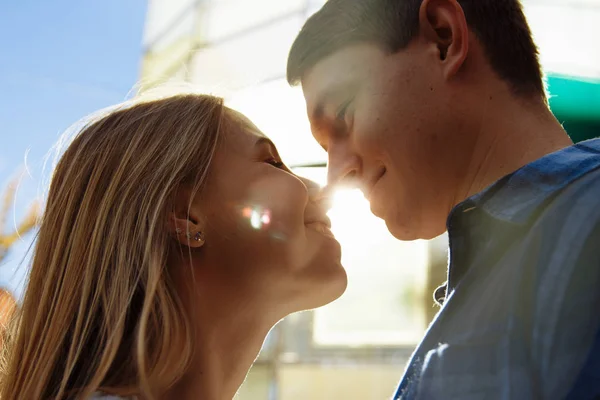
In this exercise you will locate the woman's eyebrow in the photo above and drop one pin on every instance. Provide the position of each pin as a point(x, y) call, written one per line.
point(262, 141)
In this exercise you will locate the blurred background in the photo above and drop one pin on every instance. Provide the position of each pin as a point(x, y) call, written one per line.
point(63, 59)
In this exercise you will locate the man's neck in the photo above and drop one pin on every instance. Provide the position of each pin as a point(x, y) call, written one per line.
point(509, 135)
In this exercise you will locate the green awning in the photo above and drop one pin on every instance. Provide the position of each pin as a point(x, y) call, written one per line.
point(576, 104)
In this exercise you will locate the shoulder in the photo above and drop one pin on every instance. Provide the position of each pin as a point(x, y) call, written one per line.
point(564, 248)
point(564, 238)
point(578, 198)
point(571, 217)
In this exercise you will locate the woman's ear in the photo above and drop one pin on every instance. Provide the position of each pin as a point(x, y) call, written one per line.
point(184, 221)
point(186, 232)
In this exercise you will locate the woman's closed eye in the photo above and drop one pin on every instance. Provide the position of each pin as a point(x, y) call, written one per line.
point(276, 163)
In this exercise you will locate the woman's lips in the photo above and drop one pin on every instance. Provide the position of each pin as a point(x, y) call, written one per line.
point(318, 218)
point(321, 227)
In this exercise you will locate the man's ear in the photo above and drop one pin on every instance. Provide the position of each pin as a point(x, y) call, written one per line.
point(184, 221)
point(443, 23)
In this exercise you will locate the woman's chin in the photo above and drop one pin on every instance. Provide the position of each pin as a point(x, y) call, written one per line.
point(337, 290)
point(326, 290)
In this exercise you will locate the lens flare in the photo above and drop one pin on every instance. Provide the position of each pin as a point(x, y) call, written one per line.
point(257, 216)
point(266, 219)
point(247, 212)
point(255, 220)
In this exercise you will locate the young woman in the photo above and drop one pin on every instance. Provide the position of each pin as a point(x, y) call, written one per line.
point(173, 239)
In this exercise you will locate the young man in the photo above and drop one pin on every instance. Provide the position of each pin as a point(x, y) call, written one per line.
point(436, 109)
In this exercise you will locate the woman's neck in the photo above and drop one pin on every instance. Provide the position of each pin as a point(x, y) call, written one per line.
point(225, 349)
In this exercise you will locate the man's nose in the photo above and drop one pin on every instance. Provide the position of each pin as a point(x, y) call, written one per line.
point(343, 167)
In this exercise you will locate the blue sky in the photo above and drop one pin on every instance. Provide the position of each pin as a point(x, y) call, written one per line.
point(59, 61)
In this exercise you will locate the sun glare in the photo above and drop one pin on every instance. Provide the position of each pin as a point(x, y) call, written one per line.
point(350, 216)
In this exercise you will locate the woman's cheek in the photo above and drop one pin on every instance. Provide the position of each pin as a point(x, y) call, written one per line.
point(278, 201)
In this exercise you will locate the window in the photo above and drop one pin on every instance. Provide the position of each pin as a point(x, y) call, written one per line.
point(566, 32)
point(278, 111)
point(247, 59)
point(242, 16)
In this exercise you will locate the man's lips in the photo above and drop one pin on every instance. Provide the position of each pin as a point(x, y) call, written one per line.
point(368, 188)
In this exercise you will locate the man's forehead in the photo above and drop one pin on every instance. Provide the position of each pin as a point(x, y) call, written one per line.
point(338, 71)
point(318, 94)
point(326, 75)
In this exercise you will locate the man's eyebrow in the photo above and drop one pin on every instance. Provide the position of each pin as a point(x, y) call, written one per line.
point(324, 98)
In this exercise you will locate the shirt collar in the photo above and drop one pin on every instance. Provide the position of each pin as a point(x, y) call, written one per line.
point(516, 197)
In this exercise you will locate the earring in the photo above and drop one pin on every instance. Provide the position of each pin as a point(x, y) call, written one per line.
point(199, 237)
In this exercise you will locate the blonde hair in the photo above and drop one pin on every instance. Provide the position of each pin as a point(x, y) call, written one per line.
point(100, 310)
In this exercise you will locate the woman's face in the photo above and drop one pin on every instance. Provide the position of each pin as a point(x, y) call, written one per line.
point(267, 236)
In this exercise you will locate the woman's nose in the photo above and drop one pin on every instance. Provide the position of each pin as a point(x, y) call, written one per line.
point(320, 195)
point(323, 197)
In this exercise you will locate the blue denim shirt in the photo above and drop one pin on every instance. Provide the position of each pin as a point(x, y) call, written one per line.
point(521, 315)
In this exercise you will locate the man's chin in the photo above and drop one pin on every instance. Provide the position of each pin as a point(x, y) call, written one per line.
point(401, 232)
point(408, 232)
point(406, 226)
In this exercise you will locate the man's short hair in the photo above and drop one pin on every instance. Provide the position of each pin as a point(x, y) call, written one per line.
point(500, 26)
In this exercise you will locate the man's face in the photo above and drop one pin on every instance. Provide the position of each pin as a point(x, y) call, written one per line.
point(387, 123)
